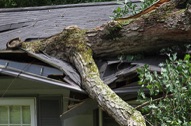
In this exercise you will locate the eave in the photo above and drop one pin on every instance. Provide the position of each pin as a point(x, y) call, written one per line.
point(24, 75)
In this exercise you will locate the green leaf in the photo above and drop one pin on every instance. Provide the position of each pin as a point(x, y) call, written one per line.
point(187, 57)
point(173, 85)
point(153, 106)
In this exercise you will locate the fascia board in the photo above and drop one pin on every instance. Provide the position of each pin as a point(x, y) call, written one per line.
point(25, 75)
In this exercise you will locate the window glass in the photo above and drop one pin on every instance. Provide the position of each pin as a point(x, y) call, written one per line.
point(26, 114)
point(15, 114)
point(3, 115)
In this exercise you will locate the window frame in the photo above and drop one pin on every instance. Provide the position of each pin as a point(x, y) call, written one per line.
point(23, 101)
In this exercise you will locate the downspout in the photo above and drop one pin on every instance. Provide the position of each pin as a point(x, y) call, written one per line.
point(100, 117)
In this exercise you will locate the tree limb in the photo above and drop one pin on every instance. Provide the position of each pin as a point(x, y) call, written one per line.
point(163, 27)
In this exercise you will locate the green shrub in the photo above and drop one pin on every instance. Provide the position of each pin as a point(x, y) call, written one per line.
point(130, 8)
point(168, 102)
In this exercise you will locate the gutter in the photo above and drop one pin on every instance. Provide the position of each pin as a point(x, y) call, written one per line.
point(21, 74)
point(24, 75)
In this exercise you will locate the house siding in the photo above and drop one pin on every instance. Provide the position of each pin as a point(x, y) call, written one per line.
point(85, 119)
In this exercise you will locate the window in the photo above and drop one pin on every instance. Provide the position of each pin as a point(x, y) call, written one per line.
point(17, 112)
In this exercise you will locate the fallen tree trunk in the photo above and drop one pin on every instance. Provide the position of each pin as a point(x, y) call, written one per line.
point(71, 45)
point(162, 27)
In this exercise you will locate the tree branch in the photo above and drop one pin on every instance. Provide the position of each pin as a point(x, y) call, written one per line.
point(155, 100)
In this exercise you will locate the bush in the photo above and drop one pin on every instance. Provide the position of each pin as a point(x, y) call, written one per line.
point(130, 8)
point(168, 102)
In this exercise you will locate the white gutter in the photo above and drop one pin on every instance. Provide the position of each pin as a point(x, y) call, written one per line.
point(25, 75)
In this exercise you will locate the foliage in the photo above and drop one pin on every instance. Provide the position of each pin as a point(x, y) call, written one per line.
point(27, 3)
point(130, 8)
point(130, 57)
point(168, 101)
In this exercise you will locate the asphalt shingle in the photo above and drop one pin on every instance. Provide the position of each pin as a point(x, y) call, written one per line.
point(41, 23)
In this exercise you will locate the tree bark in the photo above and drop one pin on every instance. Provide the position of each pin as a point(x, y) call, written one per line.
point(162, 27)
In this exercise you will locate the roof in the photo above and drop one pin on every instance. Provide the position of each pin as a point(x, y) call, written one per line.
point(41, 22)
point(39, 67)
point(120, 76)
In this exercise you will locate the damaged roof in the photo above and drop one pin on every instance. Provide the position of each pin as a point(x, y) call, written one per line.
point(42, 22)
point(120, 76)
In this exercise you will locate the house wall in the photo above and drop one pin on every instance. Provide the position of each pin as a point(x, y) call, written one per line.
point(27, 88)
point(85, 119)
point(16, 86)
point(45, 94)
